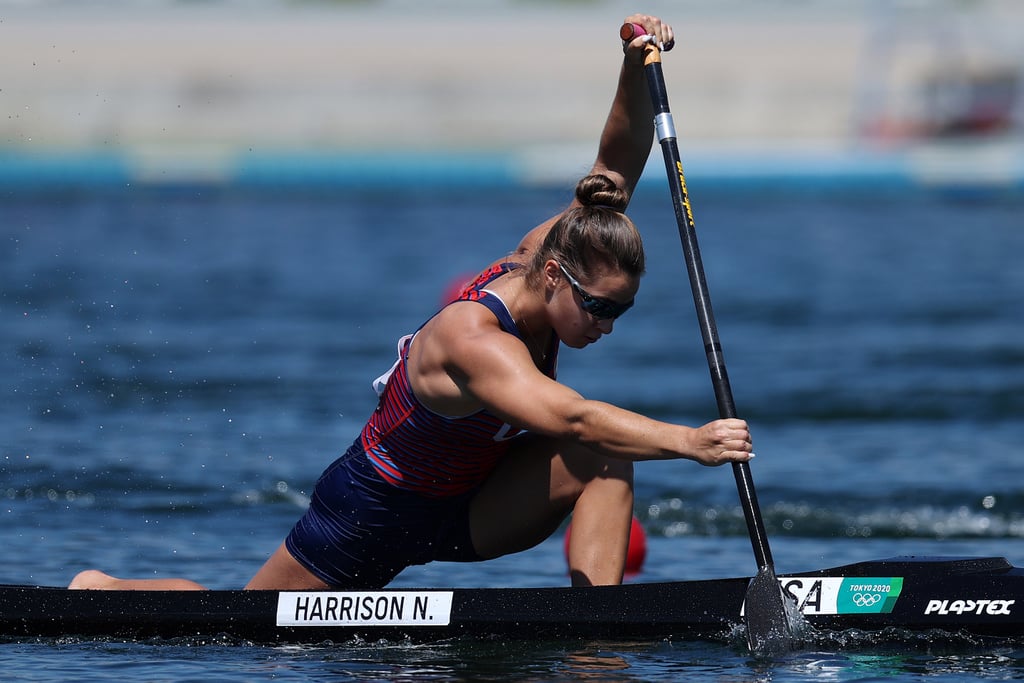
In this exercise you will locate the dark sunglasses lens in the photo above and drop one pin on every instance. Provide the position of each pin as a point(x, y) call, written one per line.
point(604, 309)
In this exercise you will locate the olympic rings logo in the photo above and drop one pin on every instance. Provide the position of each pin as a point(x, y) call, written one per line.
point(866, 599)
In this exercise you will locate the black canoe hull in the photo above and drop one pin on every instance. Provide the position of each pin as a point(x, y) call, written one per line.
point(982, 596)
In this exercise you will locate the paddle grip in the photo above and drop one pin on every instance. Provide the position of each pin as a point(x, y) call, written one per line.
point(629, 31)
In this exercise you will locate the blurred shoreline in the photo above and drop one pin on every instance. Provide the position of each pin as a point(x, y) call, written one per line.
point(491, 92)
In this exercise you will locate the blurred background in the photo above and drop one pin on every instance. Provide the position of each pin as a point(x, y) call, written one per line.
point(361, 92)
point(217, 216)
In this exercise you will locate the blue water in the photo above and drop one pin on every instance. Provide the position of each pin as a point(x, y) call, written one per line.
point(179, 366)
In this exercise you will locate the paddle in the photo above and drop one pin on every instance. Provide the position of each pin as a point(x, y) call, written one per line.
point(768, 626)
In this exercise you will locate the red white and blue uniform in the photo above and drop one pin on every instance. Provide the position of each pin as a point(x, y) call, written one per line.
point(400, 494)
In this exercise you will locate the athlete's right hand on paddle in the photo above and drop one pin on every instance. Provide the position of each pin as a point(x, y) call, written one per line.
point(655, 31)
point(722, 441)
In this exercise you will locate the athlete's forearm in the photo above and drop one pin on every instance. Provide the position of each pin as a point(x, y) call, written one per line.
point(620, 433)
point(629, 130)
point(624, 434)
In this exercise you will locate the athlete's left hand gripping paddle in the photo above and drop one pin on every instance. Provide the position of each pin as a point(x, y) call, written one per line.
point(767, 619)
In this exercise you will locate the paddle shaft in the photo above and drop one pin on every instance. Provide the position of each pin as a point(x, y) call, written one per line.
point(665, 129)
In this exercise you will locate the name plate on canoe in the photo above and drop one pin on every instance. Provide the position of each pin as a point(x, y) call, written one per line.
point(364, 608)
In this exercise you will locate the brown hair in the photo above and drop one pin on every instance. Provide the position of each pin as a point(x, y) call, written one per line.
point(593, 235)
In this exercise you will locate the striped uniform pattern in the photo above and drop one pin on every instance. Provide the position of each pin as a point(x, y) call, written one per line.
point(418, 450)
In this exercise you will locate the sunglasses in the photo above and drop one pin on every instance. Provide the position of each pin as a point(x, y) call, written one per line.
point(599, 307)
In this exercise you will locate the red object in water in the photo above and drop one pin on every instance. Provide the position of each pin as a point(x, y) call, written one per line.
point(455, 287)
point(635, 554)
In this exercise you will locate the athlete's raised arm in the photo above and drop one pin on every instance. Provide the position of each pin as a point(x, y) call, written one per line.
point(628, 132)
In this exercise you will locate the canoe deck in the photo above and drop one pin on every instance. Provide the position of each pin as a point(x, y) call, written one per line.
point(981, 596)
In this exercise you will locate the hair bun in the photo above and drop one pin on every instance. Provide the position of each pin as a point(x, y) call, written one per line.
point(599, 191)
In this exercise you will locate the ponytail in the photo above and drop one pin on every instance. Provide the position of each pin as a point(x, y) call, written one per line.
point(596, 234)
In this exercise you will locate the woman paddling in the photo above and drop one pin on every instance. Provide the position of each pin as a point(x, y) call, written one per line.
point(474, 450)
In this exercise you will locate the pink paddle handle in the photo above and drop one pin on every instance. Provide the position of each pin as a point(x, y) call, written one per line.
point(630, 31)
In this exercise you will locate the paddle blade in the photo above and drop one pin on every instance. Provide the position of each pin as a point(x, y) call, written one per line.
point(769, 629)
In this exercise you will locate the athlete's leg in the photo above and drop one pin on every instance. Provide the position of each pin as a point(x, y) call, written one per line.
point(93, 579)
point(283, 572)
point(601, 522)
point(538, 483)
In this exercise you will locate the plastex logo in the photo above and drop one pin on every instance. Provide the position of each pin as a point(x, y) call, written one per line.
point(992, 607)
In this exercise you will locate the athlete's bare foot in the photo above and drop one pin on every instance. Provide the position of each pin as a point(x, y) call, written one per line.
point(91, 579)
